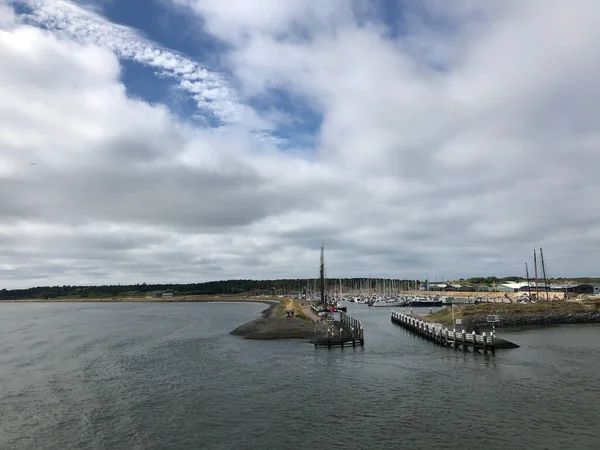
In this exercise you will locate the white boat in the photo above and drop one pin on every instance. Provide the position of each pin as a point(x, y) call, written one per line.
point(389, 303)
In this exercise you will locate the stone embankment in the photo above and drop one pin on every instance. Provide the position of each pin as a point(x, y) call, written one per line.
point(275, 324)
point(542, 319)
point(515, 315)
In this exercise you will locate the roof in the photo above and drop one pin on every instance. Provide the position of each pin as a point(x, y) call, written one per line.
point(513, 285)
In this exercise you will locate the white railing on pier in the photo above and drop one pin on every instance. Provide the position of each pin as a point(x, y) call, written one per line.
point(352, 324)
point(443, 334)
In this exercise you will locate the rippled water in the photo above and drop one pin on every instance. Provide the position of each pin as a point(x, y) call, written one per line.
point(160, 375)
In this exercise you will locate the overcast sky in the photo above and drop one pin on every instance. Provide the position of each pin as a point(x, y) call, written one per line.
point(196, 140)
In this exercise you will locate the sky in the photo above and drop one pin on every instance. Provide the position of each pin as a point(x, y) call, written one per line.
point(182, 141)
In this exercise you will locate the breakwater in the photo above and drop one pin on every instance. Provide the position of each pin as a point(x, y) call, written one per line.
point(551, 318)
point(272, 326)
point(515, 315)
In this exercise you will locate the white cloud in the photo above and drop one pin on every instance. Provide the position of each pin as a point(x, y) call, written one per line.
point(108, 167)
point(237, 20)
point(210, 90)
point(504, 128)
point(7, 17)
point(418, 171)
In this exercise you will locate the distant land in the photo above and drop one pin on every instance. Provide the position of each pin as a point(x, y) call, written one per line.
point(252, 287)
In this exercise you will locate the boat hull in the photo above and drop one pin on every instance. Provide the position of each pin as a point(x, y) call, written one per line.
point(391, 304)
point(419, 303)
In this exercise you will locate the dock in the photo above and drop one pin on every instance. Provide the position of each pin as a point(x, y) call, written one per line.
point(347, 331)
point(443, 336)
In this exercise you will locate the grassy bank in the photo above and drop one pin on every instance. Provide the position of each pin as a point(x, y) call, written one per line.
point(288, 304)
point(275, 324)
point(518, 313)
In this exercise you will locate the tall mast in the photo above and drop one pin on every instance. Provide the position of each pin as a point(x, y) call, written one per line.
point(528, 283)
point(537, 293)
point(323, 275)
point(544, 272)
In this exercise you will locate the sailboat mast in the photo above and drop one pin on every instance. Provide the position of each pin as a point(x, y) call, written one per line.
point(537, 293)
point(323, 275)
point(528, 283)
point(544, 273)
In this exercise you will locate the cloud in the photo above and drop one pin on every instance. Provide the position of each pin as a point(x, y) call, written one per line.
point(108, 166)
point(512, 111)
point(210, 90)
point(7, 17)
point(450, 142)
point(237, 20)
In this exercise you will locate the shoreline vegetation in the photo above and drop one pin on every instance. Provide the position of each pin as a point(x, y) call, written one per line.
point(482, 286)
point(191, 299)
point(474, 317)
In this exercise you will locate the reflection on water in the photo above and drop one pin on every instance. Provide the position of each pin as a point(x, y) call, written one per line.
point(170, 376)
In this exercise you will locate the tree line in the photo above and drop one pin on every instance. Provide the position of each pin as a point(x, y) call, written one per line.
point(224, 287)
point(250, 287)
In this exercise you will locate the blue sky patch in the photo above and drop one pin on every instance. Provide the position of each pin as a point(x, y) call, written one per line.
point(300, 120)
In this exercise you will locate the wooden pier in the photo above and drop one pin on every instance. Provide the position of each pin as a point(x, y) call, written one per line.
point(443, 336)
point(348, 331)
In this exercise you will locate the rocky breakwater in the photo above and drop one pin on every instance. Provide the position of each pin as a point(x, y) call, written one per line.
point(474, 318)
point(275, 323)
point(540, 318)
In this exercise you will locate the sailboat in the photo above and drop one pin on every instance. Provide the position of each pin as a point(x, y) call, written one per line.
point(340, 306)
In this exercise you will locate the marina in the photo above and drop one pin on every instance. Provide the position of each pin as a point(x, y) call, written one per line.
point(170, 169)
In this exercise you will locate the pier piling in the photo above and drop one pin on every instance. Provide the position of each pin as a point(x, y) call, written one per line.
point(351, 332)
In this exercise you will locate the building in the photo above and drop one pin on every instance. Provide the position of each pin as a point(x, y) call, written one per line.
point(159, 294)
point(583, 288)
point(457, 287)
point(507, 287)
point(562, 287)
point(482, 288)
point(522, 286)
point(437, 287)
point(587, 288)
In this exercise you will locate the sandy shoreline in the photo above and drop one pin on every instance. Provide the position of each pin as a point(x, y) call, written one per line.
point(199, 299)
point(272, 324)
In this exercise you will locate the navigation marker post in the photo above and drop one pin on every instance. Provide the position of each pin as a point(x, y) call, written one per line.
point(493, 319)
point(453, 321)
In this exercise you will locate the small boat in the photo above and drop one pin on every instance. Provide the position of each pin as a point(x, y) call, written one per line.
point(424, 302)
point(389, 303)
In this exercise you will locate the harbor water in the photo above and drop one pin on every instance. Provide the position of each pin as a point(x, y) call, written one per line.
point(169, 376)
